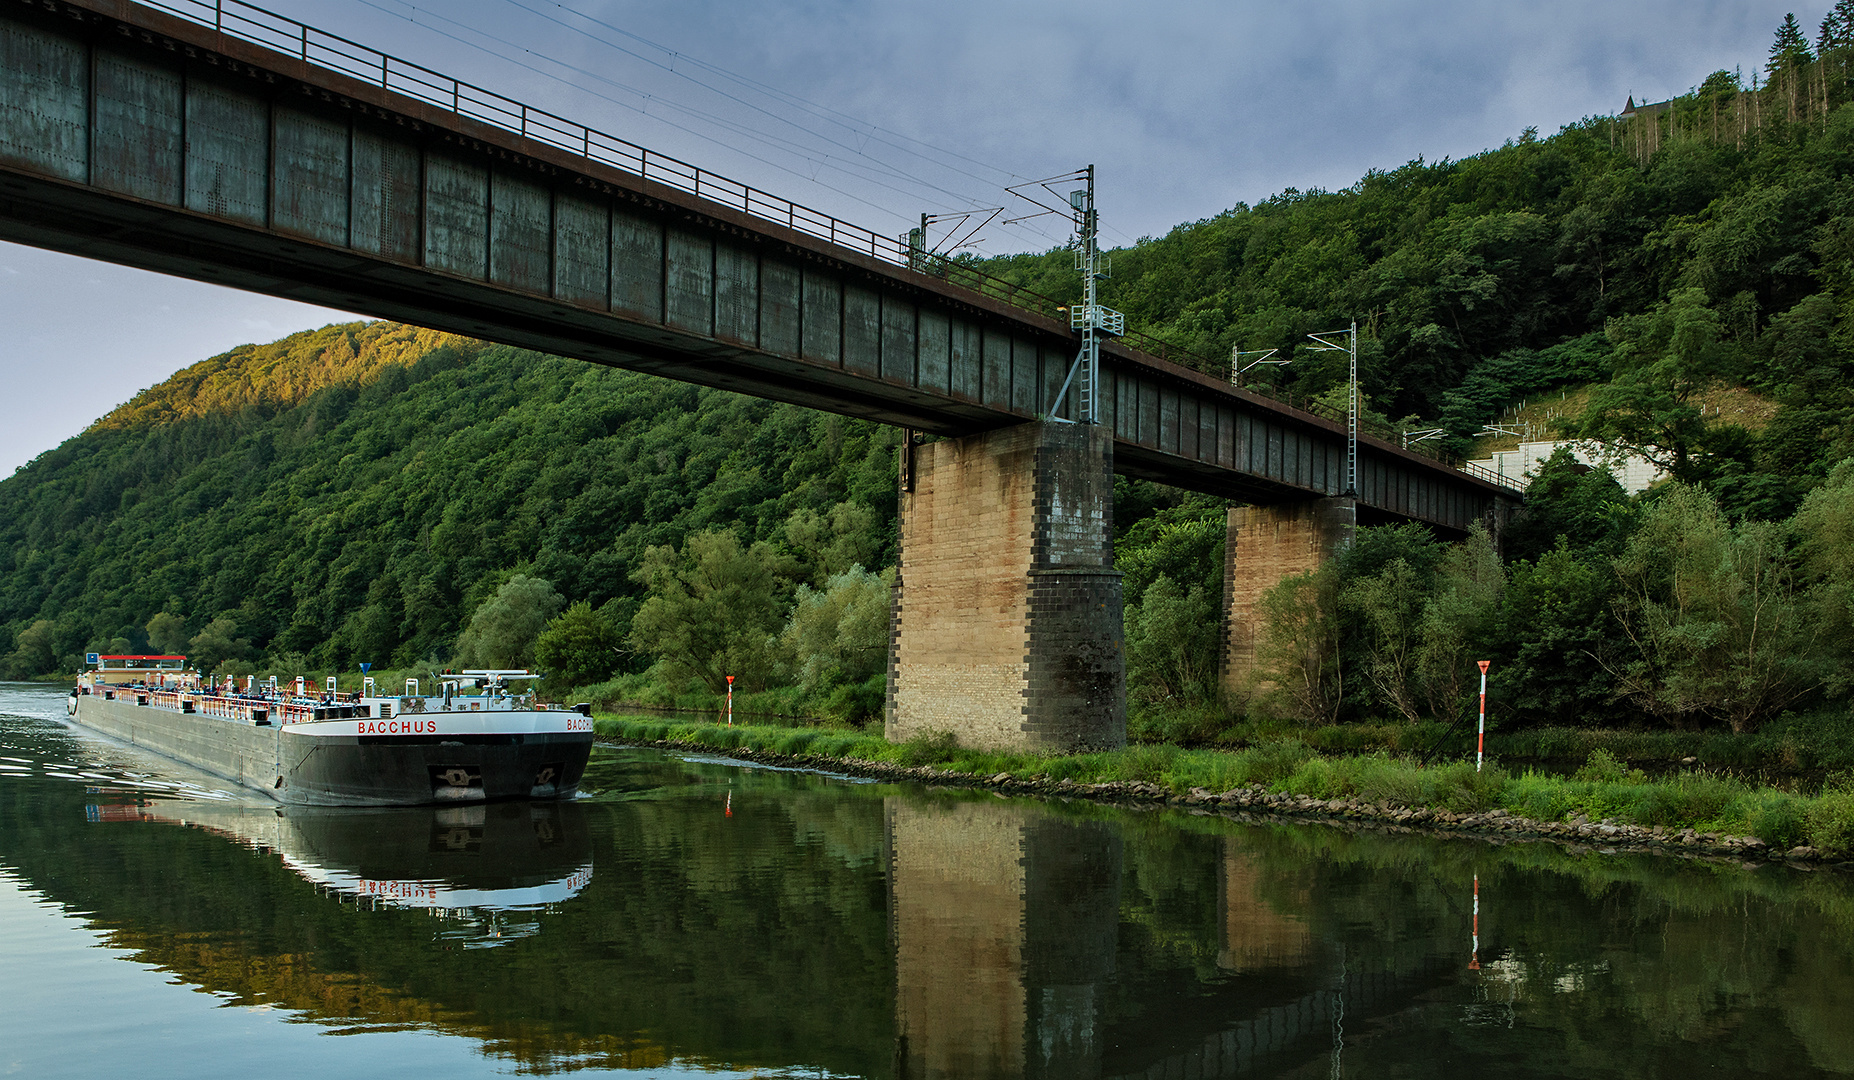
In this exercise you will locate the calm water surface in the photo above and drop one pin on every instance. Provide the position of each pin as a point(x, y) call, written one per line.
point(689, 917)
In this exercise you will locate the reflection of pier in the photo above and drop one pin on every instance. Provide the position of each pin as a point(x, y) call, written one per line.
point(507, 856)
point(1004, 918)
point(1292, 995)
point(1309, 1026)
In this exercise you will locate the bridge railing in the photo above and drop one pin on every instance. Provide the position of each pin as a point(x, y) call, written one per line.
point(261, 26)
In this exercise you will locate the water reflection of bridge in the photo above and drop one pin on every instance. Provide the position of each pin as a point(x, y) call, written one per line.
point(1007, 921)
point(1026, 939)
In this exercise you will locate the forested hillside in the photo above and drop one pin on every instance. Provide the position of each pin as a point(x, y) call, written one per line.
point(384, 494)
point(1712, 241)
point(356, 492)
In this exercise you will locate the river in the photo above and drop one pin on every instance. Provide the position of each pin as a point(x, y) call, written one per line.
point(689, 916)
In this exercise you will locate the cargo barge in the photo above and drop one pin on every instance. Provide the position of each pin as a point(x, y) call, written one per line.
point(479, 738)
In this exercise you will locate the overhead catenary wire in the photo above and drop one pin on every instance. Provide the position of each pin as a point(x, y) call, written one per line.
point(605, 97)
point(869, 169)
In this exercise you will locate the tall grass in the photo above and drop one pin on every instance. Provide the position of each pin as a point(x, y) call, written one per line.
point(1604, 789)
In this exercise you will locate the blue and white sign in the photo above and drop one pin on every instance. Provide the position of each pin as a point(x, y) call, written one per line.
point(92, 659)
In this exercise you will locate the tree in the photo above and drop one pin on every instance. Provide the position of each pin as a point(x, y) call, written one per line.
point(1387, 607)
point(839, 634)
point(1789, 55)
point(1790, 49)
point(578, 647)
point(714, 609)
point(833, 542)
point(1568, 502)
point(167, 634)
point(1457, 618)
point(1298, 673)
point(1174, 641)
point(1662, 363)
point(503, 631)
point(1837, 30)
point(212, 647)
point(1555, 629)
point(1824, 527)
point(33, 650)
point(1718, 628)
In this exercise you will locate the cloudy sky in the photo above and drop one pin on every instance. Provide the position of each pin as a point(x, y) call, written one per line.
point(878, 111)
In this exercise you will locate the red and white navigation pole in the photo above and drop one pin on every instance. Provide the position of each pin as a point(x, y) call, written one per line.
point(1480, 749)
point(730, 698)
point(1474, 956)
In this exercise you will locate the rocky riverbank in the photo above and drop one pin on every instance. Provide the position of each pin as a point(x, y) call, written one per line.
point(1257, 803)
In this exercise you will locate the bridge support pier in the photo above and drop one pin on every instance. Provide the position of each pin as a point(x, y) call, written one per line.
point(1263, 545)
point(1006, 625)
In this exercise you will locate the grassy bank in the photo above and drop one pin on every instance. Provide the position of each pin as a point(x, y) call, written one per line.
point(847, 703)
point(1812, 742)
point(1603, 790)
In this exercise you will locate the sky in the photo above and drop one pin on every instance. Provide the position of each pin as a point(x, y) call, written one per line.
point(877, 111)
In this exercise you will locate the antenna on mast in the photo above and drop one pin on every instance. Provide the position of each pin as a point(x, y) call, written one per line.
point(1088, 317)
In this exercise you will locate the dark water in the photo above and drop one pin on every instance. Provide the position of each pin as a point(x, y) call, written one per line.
point(692, 918)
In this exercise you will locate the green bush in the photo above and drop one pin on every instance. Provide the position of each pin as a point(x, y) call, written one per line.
point(928, 749)
point(1602, 767)
point(1272, 762)
point(1830, 821)
point(1777, 819)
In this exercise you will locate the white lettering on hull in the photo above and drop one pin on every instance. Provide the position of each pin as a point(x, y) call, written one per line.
point(463, 725)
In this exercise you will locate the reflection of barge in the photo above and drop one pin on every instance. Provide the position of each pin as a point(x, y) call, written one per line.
point(479, 739)
point(499, 857)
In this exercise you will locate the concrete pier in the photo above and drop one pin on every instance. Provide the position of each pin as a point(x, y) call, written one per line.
point(1007, 619)
point(1264, 545)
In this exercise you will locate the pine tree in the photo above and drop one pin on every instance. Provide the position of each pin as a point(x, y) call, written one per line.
point(1788, 54)
point(1837, 29)
point(1835, 46)
point(1790, 49)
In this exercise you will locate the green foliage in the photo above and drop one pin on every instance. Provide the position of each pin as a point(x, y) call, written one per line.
point(844, 537)
point(1602, 767)
point(34, 651)
point(838, 639)
point(1605, 789)
point(1663, 361)
point(167, 633)
point(1582, 508)
point(503, 631)
point(1717, 623)
point(1174, 642)
point(212, 648)
point(355, 493)
point(714, 610)
point(1298, 670)
point(1171, 559)
point(578, 647)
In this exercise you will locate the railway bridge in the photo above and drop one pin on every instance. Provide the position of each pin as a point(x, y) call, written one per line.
point(217, 141)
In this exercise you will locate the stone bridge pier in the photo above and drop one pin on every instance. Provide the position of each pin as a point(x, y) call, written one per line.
point(1264, 545)
point(1006, 627)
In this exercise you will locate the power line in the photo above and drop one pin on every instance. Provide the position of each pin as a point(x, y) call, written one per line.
point(872, 173)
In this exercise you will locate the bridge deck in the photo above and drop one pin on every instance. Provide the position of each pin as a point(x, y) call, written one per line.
point(134, 136)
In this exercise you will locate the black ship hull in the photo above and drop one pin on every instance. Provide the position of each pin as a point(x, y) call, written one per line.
point(437, 759)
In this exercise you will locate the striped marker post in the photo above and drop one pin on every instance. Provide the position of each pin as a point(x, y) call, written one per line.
point(1480, 749)
point(1474, 957)
point(730, 700)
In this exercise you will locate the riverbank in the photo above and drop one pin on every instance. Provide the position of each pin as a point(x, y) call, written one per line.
point(1605, 805)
